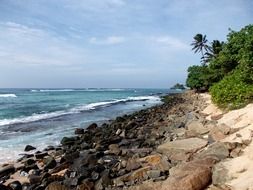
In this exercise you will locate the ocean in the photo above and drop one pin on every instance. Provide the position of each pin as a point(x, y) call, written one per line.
point(41, 117)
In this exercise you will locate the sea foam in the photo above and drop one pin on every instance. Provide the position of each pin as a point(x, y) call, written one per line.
point(78, 109)
point(8, 96)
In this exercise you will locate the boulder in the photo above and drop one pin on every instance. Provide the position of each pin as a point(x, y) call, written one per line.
point(49, 162)
point(218, 150)
point(92, 126)
point(157, 161)
point(194, 175)
point(6, 170)
point(114, 149)
point(79, 131)
point(15, 185)
point(56, 186)
point(196, 128)
point(68, 140)
point(29, 148)
point(181, 150)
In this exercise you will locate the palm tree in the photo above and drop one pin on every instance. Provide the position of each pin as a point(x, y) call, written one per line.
point(200, 44)
point(215, 48)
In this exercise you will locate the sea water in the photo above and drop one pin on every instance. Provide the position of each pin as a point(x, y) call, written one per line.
point(41, 117)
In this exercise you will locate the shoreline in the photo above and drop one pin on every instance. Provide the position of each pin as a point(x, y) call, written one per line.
point(172, 146)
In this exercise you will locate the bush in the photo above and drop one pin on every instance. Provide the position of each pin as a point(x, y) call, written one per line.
point(232, 92)
point(198, 78)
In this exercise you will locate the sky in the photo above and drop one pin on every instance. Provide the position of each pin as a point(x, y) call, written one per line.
point(108, 43)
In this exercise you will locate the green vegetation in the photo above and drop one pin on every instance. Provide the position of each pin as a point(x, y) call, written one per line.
point(178, 86)
point(226, 70)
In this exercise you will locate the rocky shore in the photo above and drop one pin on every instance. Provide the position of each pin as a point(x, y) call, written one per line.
point(178, 145)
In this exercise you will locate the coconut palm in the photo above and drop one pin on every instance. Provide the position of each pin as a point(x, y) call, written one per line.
point(215, 48)
point(200, 45)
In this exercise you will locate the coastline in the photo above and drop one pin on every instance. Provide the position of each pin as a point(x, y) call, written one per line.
point(171, 146)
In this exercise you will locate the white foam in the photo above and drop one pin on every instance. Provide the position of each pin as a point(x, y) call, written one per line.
point(8, 96)
point(84, 90)
point(78, 109)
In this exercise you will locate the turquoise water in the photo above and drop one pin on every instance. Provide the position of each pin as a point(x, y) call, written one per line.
point(42, 117)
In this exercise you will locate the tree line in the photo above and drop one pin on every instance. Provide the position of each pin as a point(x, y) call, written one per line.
point(226, 68)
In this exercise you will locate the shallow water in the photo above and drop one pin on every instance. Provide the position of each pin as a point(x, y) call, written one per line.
point(42, 117)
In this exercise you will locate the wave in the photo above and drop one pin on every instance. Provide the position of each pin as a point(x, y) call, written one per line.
point(8, 96)
point(78, 90)
point(78, 109)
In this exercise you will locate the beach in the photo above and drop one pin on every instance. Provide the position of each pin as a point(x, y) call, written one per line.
point(173, 146)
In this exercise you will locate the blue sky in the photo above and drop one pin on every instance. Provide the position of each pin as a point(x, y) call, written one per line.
point(108, 43)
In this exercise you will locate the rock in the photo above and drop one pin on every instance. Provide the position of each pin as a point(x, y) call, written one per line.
point(87, 185)
point(104, 181)
point(56, 186)
point(132, 164)
point(68, 140)
point(34, 179)
point(218, 150)
point(216, 117)
point(194, 175)
point(40, 155)
point(94, 176)
point(49, 162)
point(137, 175)
point(6, 170)
point(29, 148)
point(3, 187)
point(236, 152)
point(196, 128)
point(15, 185)
point(71, 156)
point(92, 126)
point(114, 149)
point(79, 131)
point(157, 161)
point(219, 174)
point(154, 174)
point(181, 150)
point(218, 133)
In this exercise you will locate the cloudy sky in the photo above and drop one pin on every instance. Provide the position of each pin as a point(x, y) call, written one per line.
point(108, 43)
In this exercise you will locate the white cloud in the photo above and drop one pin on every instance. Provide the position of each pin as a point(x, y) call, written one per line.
point(24, 45)
point(171, 42)
point(111, 40)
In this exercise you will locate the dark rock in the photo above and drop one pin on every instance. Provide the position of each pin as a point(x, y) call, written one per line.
point(3, 187)
point(29, 165)
point(49, 162)
point(7, 170)
point(131, 125)
point(49, 148)
point(71, 156)
point(34, 179)
point(92, 126)
point(71, 182)
point(29, 148)
point(40, 155)
point(69, 140)
point(15, 185)
point(104, 181)
point(85, 146)
point(79, 131)
point(86, 185)
point(94, 176)
point(29, 162)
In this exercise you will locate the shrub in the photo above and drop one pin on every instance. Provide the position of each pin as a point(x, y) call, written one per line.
point(198, 78)
point(232, 92)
